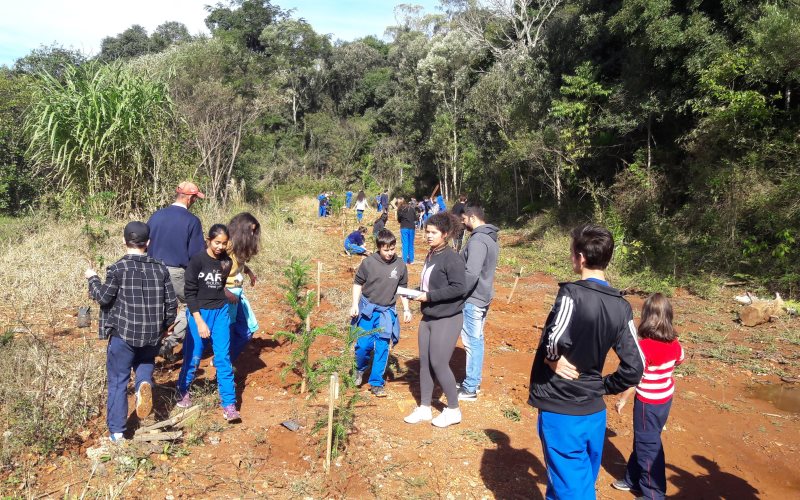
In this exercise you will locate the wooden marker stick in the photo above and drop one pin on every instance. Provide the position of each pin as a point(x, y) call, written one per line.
point(516, 282)
point(319, 272)
point(333, 390)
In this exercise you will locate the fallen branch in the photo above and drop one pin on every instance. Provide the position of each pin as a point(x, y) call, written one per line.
point(158, 436)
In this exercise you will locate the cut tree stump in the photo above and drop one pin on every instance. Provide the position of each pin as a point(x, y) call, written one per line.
point(760, 312)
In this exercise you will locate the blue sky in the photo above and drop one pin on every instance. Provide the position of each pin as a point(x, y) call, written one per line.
point(82, 24)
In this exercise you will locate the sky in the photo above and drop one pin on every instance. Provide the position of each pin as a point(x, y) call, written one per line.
point(82, 24)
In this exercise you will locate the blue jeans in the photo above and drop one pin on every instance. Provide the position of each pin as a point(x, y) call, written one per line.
point(407, 244)
point(120, 358)
point(359, 215)
point(472, 338)
point(646, 468)
point(322, 211)
point(573, 447)
point(353, 248)
point(219, 322)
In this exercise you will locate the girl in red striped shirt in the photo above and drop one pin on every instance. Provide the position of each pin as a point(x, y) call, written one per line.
point(662, 352)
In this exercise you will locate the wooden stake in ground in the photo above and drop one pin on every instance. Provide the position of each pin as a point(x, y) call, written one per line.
point(305, 375)
point(333, 394)
point(319, 272)
point(516, 282)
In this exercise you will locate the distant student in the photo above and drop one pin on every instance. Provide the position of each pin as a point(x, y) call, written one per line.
point(322, 199)
point(348, 199)
point(379, 224)
point(407, 217)
point(567, 385)
point(384, 201)
point(458, 211)
point(137, 304)
point(209, 321)
point(374, 308)
point(354, 243)
point(440, 203)
point(361, 205)
point(245, 239)
point(442, 301)
point(427, 206)
point(378, 204)
point(646, 472)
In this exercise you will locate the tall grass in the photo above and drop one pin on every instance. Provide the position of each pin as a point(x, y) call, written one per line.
point(103, 128)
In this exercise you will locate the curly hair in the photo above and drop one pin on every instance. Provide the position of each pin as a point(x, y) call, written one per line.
point(445, 222)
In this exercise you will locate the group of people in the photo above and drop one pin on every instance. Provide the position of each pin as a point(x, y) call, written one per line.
point(170, 266)
point(567, 385)
point(411, 215)
point(456, 290)
point(168, 263)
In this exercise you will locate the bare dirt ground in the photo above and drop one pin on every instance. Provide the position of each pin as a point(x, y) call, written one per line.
point(733, 431)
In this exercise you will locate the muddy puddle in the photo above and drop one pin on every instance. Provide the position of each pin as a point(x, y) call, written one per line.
point(781, 396)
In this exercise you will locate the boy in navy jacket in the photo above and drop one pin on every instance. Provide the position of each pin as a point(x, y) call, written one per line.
point(588, 319)
point(374, 308)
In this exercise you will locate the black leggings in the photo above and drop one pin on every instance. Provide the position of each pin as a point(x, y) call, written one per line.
point(437, 341)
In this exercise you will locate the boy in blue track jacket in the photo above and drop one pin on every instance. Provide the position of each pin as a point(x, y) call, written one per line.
point(374, 309)
point(567, 385)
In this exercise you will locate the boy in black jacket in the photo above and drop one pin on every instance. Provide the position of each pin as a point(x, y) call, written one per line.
point(589, 318)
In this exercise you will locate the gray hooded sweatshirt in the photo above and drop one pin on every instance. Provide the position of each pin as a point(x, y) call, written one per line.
point(481, 257)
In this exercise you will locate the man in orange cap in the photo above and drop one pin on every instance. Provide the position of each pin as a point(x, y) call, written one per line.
point(175, 235)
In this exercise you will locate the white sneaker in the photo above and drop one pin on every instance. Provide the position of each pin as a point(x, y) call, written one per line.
point(448, 417)
point(144, 400)
point(419, 414)
point(359, 378)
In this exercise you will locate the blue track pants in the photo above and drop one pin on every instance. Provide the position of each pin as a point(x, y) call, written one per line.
point(573, 447)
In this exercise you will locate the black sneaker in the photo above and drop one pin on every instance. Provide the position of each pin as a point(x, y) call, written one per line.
point(622, 485)
point(378, 392)
point(477, 391)
point(464, 395)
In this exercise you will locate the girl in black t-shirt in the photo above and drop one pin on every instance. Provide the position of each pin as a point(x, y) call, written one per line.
point(209, 320)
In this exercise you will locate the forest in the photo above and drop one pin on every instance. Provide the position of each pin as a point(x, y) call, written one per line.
point(673, 122)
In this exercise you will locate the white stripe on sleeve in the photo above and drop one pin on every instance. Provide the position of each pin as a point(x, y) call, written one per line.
point(562, 321)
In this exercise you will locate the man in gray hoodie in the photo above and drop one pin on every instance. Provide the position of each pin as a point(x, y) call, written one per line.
point(480, 255)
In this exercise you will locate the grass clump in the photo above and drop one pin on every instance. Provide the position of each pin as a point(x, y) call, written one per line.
point(46, 394)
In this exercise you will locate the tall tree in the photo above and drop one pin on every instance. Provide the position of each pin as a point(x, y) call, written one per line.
point(243, 21)
point(297, 56)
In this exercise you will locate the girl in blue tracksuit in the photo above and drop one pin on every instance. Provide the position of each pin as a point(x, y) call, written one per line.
point(209, 320)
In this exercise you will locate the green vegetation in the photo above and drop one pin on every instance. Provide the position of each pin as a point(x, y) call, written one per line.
point(675, 124)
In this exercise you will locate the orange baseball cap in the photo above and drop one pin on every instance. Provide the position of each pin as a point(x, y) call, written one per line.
point(189, 188)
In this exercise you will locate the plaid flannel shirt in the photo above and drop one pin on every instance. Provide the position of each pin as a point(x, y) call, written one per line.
point(137, 301)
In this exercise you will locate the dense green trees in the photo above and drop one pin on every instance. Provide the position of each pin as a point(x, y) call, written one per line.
point(675, 122)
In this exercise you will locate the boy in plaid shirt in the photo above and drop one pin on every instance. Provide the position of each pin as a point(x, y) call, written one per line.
point(137, 305)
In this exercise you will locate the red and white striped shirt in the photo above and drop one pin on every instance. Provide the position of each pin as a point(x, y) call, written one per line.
point(661, 358)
